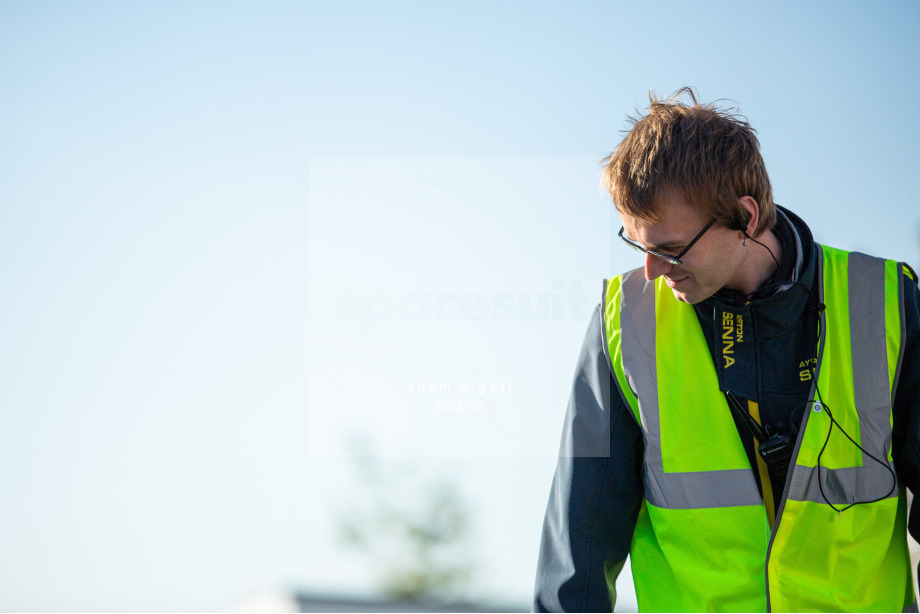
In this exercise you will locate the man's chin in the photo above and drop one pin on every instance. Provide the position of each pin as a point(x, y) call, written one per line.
point(687, 297)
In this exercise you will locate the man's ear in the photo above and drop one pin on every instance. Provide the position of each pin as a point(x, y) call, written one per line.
point(750, 213)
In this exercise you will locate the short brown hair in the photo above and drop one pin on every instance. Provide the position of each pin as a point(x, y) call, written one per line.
point(708, 154)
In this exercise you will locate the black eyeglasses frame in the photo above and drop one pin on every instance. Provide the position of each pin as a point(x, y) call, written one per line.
point(668, 257)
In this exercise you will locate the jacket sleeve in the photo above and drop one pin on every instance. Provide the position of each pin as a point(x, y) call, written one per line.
point(596, 491)
point(906, 432)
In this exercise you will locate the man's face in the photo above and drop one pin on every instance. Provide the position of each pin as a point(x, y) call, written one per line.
point(712, 263)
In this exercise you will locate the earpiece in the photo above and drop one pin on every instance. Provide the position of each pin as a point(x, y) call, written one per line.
point(741, 223)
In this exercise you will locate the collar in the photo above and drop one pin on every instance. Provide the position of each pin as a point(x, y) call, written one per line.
point(789, 271)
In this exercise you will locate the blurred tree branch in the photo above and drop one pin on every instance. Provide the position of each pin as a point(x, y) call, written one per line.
point(414, 531)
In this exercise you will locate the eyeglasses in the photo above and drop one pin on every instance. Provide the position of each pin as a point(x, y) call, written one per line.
point(669, 257)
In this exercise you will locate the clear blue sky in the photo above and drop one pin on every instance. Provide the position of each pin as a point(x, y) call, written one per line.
point(235, 234)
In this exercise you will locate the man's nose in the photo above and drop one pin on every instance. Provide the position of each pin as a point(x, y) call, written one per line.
point(655, 267)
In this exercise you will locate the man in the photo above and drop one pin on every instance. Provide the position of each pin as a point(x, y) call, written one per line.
point(743, 421)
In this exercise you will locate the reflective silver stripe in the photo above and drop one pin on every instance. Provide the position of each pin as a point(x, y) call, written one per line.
point(869, 352)
point(690, 490)
point(842, 486)
point(637, 323)
point(701, 489)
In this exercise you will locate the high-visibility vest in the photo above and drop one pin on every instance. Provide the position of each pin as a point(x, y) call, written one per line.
point(703, 542)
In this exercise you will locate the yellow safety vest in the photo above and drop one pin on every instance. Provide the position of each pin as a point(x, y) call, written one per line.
point(703, 542)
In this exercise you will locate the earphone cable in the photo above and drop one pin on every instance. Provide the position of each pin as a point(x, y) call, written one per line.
point(825, 408)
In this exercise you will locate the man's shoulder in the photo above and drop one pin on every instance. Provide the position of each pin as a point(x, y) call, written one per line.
point(909, 272)
point(632, 281)
point(636, 271)
point(906, 270)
